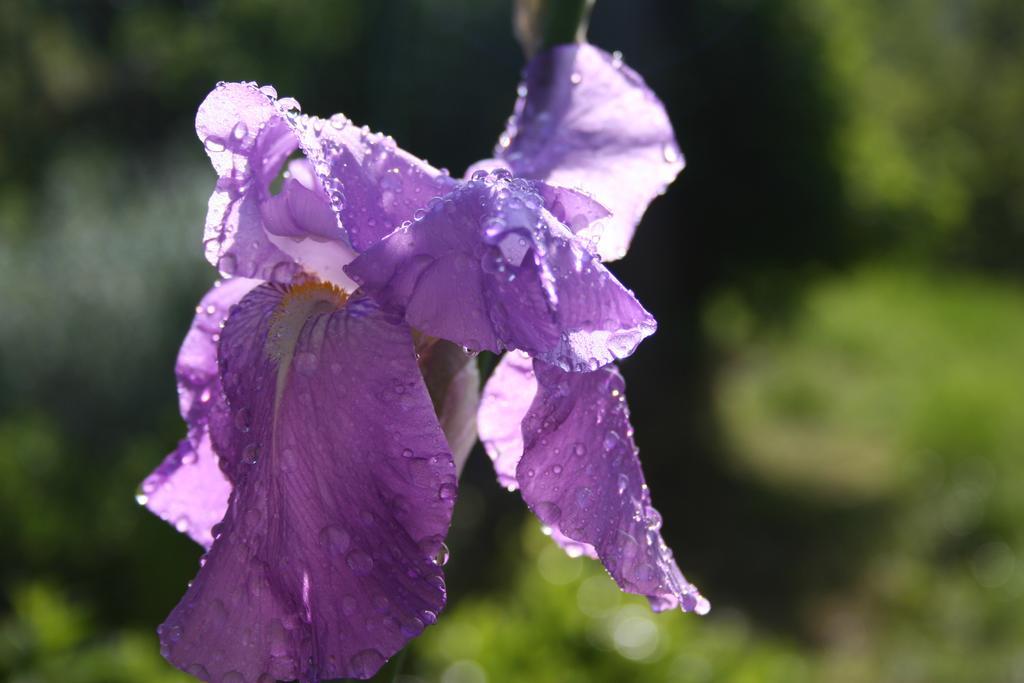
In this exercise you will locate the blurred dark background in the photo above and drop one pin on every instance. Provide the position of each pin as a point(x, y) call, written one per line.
point(830, 414)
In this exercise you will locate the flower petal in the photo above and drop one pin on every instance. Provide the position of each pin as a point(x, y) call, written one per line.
point(323, 566)
point(580, 474)
point(196, 368)
point(351, 188)
point(588, 121)
point(380, 185)
point(188, 489)
point(489, 267)
point(507, 396)
point(248, 140)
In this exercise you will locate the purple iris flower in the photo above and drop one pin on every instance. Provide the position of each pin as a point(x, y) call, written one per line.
point(329, 404)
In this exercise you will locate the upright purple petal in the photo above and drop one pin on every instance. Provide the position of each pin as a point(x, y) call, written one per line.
point(378, 185)
point(489, 267)
point(580, 474)
point(188, 489)
point(248, 141)
point(350, 188)
point(323, 566)
point(586, 120)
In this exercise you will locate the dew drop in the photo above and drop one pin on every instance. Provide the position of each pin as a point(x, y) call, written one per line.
point(199, 671)
point(579, 449)
point(335, 539)
point(446, 491)
point(243, 419)
point(239, 131)
point(359, 562)
point(306, 363)
point(611, 440)
point(412, 627)
point(702, 607)
point(349, 606)
point(670, 153)
point(576, 78)
point(548, 512)
point(366, 663)
point(251, 453)
point(213, 144)
point(227, 264)
point(441, 558)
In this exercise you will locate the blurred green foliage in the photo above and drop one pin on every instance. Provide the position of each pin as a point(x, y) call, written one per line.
point(829, 414)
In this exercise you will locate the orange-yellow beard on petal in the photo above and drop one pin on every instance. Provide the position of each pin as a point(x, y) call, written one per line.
point(301, 301)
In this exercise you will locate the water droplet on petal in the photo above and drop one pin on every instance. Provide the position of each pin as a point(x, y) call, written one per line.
point(670, 153)
point(306, 363)
point(412, 627)
point(239, 131)
point(576, 78)
point(446, 491)
point(548, 512)
point(251, 453)
point(441, 558)
point(214, 144)
point(359, 562)
point(199, 671)
point(366, 663)
point(335, 539)
point(349, 606)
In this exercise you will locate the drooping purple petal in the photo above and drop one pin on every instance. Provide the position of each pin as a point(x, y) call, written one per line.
point(489, 267)
point(507, 396)
point(509, 392)
point(188, 489)
point(322, 567)
point(580, 474)
point(196, 368)
point(586, 120)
